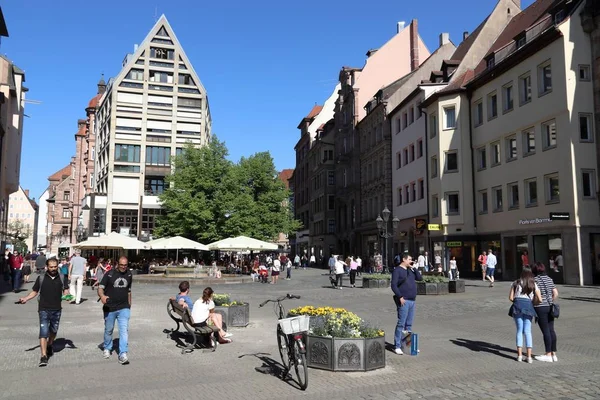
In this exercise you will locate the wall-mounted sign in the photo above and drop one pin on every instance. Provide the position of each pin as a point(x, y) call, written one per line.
point(420, 223)
point(434, 227)
point(534, 221)
point(403, 233)
point(558, 216)
point(453, 244)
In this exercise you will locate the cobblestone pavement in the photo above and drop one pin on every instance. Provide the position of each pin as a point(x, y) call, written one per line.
point(466, 340)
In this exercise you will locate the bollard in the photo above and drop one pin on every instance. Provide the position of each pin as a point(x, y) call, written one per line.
point(414, 345)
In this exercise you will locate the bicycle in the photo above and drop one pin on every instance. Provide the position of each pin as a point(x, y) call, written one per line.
point(290, 339)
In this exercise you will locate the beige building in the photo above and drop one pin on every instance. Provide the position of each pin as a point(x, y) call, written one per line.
point(23, 216)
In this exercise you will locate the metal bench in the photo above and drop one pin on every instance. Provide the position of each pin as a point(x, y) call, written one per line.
point(182, 316)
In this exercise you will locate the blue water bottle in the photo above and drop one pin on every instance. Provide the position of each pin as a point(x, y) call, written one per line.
point(414, 345)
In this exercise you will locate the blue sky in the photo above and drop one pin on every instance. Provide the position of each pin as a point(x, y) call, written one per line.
point(263, 63)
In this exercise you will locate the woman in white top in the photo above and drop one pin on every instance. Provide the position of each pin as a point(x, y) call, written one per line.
point(204, 312)
point(522, 294)
point(453, 269)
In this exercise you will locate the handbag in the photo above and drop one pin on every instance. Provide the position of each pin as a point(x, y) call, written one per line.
point(511, 310)
point(555, 310)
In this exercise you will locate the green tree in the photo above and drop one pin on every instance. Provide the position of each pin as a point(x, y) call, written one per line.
point(19, 232)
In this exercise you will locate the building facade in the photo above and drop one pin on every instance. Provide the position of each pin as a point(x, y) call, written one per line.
point(60, 207)
point(42, 221)
point(147, 115)
point(23, 216)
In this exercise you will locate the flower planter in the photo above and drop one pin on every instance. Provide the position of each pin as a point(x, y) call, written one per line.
point(341, 354)
point(432, 288)
point(456, 286)
point(235, 316)
point(375, 283)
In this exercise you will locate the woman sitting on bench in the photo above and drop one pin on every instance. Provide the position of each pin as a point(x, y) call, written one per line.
point(204, 312)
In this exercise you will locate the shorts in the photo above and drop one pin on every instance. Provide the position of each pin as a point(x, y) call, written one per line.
point(274, 273)
point(490, 271)
point(49, 320)
point(483, 267)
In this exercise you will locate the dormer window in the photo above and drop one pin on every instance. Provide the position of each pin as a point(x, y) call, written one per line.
point(559, 17)
point(520, 41)
point(490, 62)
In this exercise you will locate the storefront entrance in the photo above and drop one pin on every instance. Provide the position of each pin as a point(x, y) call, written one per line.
point(547, 249)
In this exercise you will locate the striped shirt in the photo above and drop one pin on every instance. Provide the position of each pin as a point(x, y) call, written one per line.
point(546, 285)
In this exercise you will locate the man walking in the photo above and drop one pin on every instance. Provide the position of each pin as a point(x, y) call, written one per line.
point(115, 294)
point(50, 287)
point(16, 267)
point(404, 286)
point(332, 264)
point(490, 269)
point(77, 268)
point(40, 263)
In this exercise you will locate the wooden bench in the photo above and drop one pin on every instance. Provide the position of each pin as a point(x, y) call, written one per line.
point(181, 316)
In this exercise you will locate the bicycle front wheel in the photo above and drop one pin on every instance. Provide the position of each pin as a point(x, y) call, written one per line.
point(282, 343)
point(300, 366)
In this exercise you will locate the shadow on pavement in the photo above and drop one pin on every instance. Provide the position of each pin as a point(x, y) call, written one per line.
point(115, 345)
point(184, 339)
point(61, 343)
point(485, 347)
point(581, 287)
point(272, 367)
point(586, 299)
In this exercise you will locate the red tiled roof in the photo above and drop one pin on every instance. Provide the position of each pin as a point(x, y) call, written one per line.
point(285, 176)
point(58, 175)
point(314, 112)
point(459, 82)
point(94, 101)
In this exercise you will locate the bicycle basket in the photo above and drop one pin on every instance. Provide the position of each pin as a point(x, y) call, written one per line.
point(293, 325)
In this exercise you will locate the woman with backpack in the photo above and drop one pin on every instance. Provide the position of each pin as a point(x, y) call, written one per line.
point(523, 293)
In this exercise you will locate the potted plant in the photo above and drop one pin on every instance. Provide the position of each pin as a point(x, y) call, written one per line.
point(433, 285)
point(339, 340)
point(376, 281)
point(456, 286)
point(235, 312)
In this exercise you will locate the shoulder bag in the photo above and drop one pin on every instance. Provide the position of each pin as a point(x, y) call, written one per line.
point(555, 310)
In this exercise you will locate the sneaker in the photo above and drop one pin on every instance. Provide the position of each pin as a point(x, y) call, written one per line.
point(106, 353)
point(529, 360)
point(544, 358)
point(554, 358)
point(43, 361)
point(49, 351)
point(519, 358)
point(123, 359)
point(398, 351)
point(340, 288)
point(227, 335)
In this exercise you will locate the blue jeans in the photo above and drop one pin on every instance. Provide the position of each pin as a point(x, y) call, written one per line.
point(524, 328)
point(289, 273)
point(122, 317)
point(49, 320)
point(406, 314)
point(16, 278)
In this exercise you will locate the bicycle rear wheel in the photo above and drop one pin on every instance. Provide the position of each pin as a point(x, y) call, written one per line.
point(284, 349)
point(300, 366)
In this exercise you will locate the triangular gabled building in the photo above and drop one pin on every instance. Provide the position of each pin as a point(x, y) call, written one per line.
point(149, 111)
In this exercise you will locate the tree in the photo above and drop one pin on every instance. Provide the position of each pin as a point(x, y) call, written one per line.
point(18, 231)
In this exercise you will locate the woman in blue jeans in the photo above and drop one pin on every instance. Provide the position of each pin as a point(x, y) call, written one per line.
point(522, 294)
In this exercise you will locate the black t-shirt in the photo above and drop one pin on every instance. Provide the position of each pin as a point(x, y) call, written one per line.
point(51, 292)
point(117, 285)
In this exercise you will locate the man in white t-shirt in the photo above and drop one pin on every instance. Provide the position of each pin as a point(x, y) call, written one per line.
point(359, 263)
point(491, 263)
point(275, 269)
point(558, 262)
point(421, 262)
point(313, 261)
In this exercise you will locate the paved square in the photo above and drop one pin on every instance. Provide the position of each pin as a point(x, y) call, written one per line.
point(466, 340)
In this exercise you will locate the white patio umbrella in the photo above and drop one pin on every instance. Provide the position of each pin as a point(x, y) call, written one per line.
point(242, 243)
point(176, 243)
point(113, 240)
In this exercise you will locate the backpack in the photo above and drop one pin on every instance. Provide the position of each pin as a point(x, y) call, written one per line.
point(41, 280)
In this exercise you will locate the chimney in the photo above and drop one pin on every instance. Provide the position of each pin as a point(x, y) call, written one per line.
point(444, 39)
point(414, 45)
point(80, 123)
point(465, 35)
point(400, 26)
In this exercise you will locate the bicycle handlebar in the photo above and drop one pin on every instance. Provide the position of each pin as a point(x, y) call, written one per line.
point(287, 296)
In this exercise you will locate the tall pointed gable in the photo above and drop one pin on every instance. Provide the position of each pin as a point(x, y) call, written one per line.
point(161, 32)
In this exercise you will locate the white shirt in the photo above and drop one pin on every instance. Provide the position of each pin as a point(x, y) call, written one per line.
point(421, 261)
point(491, 261)
point(359, 261)
point(452, 264)
point(339, 267)
point(559, 260)
point(276, 265)
point(438, 259)
point(201, 310)
point(313, 259)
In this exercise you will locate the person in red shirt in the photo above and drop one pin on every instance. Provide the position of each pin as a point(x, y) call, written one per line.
point(16, 266)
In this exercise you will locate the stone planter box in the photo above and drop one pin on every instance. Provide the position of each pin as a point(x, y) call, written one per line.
point(337, 354)
point(456, 286)
point(235, 316)
point(375, 283)
point(432, 288)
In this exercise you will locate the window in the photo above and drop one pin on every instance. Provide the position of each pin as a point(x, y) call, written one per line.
point(127, 153)
point(331, 225)
point(531, 192)
point(549, 134)
point(511, 148)
point(406, 195)
point(413, 191)
point(490, 62)
point(330, 178)
point(525, 89)
point(405, 155)
point(398, 160)
point(513, 195)
point(449, 117)
point(411, 115)
point(135, 74)
point(419, 148)
point(64, 231)
point(452, 207)
point(399, 194)
point(585, 128)
point(483, 202)
point(404, 120)
point(159, 76)
point(507, 98)
point(398, 125)
point(451, 161)
point(544, 78)
point(185, 79)
point(158, 155)
point(421, 189)
point(481, 158)
point(584, 73)
point(65, 213)
point(521, 41)
point(127, 168)
point(552, 188)
point(528, 142)
point(492, 106)
point(154, 185)
point(433, 125)
point(185, 102)
point(11, 215)
point(163, 54)
point(478, 113)
point(434, 166)
point(497, 198)
point(588, 183)
point(66, 195)
point(435, 206)
point(412, 152)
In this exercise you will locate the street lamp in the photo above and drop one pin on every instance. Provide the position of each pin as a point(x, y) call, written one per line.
point(81, 231)
point(382, 226)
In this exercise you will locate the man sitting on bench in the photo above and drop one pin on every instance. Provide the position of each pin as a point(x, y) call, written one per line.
point(183, 298)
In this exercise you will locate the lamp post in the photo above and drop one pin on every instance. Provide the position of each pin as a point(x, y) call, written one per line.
point(382, 225)
point(81, 232)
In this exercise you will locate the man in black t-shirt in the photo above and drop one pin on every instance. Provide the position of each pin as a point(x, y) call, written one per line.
point(50, 287)
point(115, 293)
